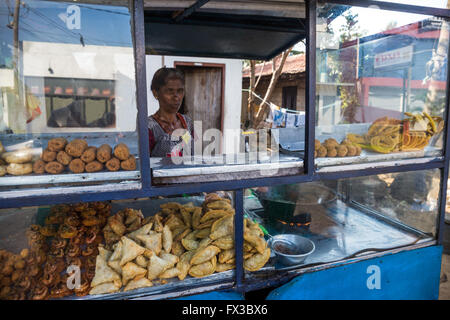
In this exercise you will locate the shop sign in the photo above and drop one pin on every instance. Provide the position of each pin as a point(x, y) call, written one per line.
point(394, 57)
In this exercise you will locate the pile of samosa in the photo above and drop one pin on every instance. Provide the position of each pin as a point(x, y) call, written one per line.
point(178, 241)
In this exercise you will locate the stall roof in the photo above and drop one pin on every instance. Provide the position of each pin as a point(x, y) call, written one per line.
point(224, 29)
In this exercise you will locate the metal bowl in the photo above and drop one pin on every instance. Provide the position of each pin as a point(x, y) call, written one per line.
point(291, 249)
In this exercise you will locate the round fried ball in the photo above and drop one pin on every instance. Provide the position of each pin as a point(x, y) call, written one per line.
point(63, 158)
point(321, 152)
point(48, 156)
point(121, 151)
point(358, 150)
point(76, 147)
point(129, 164)
point(316, 145)
point(56, 144)
point(39, 166)
point(94, 166)
point(113, 164)
point(54, 167)
point(104, 153)
point(76, 165)
point(89, 154)
point(351, 150)
point(331, 142)
point(331, 151)
point(341, 151)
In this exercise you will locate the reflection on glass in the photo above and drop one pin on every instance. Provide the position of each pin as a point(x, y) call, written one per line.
point(67, 73)
point(345, 217)
point(116, 248)
point(381, 85)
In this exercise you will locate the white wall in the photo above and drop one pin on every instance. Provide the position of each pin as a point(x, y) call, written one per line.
point(88, 62)
point(232, 90)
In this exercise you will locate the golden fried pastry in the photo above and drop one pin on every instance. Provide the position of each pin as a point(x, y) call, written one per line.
point(331, 151)
point(156, 266)
point(342, 151)
point(221, 267)
point(113, 164)
point(63, 158)
point(222, 227)
point(316, 144)
point(130, 250)
point(203, 269)
point(138, 283)
point(76, 147)
point(152, 241)
point(351, 150)
point(167, 239)
point(39, 166)
point(3, 170)
point(103, 273)
point(77, 165)
point(89, 154)
point(121, 151)
point(257, 261)
point(358, 150)
point(144, 230)
point(54, 167)
point(67, 232)
point(130, 271)
point(19, 169)
point(104, 153)
point(170, 273)
point(129, 164)
point(224, 243)
point(48, 155)
point(93, 166)
point(321, 152)
point(204, 254)
point(107, 287)
point(330, 142)
point(57, 144)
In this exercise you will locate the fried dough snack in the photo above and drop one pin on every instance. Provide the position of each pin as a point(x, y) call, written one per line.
point(76, 165)
point(19, 169)
point(93, 166)
point(104, 153)
point(63, 158)
point(121, 151)
point(19, 156)
point(113, 164)
point(89, 154)
point(129, 164)
point(48, 155)
point(39, 166)
point(76, 147)
point(3, 170)
point(56, 144)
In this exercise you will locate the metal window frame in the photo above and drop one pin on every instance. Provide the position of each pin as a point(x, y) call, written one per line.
point(146, 189)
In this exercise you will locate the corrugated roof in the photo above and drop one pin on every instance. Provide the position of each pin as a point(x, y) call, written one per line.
point(293, 64)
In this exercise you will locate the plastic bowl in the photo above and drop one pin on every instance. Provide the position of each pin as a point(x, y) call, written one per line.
point(291, 249)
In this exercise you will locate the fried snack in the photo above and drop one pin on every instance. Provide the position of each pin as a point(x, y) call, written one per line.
point(141, 261)
point(39, 166)
point(316, 144)
point(103, 273)
point(130, 250)
point(152, 242)
point(121, 151)
point(321, 152)
point(358, 150)
point(139, 283)
point(19, 169)
point(113, 164)
point(129, 164)
point(351, 150)
point(93, 166)
point(342, 151)
point(54, 167)
point(330, 142)
point(253, 237)
point(331, 151)
point(2, 148)
point(89, 154)
point(173, 259)
point(63, 158)
point(104, 153)
point(204, 254)
point(156, 266)
point(204, 269)
point(167, 239)
point(257, 261)
point(48, 156)
point(222, 227)
point(170, 273)
point(130, 271)
point(221, 267)
point(108, 287)
point(224, 243)
point(76, 165)
point(18, 156)
point(184, 264)
point(56, 144)
point(3, 170)
point(76, 147)
point(144, 230)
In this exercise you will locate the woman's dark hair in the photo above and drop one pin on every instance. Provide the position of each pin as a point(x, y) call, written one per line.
point(164, 74)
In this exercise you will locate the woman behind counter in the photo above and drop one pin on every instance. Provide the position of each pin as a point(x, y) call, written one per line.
point(168, 88)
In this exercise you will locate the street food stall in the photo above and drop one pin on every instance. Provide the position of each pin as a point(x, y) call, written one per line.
point(347, 204)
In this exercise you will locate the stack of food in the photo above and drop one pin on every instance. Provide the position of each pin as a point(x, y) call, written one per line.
point(17, 162)
point(69, 238)
point(79, 157)
point(178, 241)
point(331, 148)
point(386, 135)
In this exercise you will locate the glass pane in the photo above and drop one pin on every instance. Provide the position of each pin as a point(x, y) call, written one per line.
point(336, 220)
point(142, 247)
point(442, 4)
point(234, 121)
point(68, 95)
point(381, 86)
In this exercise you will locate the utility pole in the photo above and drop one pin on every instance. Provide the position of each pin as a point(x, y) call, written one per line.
point(17, 121)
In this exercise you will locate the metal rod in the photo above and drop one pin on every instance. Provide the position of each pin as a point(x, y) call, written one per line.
point(310, 105)
point(179, 16)
point(141, 91)
point(238, 237)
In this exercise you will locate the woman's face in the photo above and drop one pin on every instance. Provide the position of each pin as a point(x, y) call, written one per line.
point(170, 95)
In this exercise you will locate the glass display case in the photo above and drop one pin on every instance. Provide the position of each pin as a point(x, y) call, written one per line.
point(327, 131)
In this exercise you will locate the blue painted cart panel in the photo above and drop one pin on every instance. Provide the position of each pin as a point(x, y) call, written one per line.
point(214, 295)
point(406, 275)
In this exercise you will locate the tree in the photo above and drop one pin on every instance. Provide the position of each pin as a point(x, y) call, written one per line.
point(257, 113)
